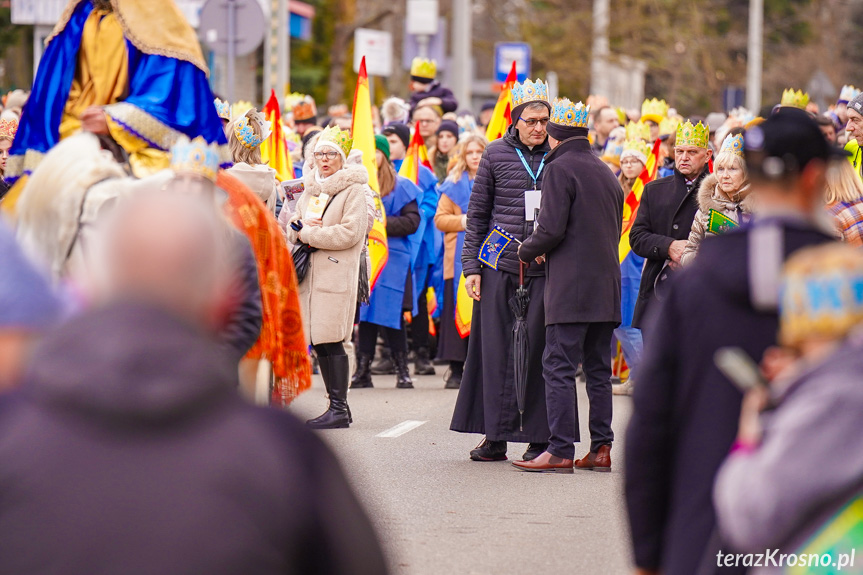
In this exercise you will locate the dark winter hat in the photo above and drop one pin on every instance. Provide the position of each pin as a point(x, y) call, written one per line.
point(785, 143)
point(400, 130)
point(449, 126)
point(382, 144)
point(856, 104)
point(488, 105)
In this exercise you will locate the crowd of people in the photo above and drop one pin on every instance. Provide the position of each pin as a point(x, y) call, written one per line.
point(155, 264)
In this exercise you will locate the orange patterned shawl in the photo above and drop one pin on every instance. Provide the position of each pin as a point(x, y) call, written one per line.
point(282, 341)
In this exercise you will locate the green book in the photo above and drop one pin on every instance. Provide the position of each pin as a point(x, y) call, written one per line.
point(719, 223)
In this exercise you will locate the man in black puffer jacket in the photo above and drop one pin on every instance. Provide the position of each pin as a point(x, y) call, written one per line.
point(486, 401)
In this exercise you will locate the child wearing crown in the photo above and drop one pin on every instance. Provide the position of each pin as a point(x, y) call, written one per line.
point(723, 198)
point(426, 91)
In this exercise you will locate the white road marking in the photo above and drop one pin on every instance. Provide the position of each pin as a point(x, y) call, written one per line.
point(400, 429)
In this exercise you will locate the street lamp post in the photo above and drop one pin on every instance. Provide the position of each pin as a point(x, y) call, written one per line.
point(754, 55)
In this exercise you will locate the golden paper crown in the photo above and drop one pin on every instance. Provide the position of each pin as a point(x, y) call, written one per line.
point(733, 144)
point(798, 99)
point(423, 68)
point(8, 128)
point(637, 130)
point(304, 109)
point(639, 146)
point(195, 157)
point(689, 135)
point(668, 126)
point(654, 110)
point(529, 92)
point(340, 138)
point(565, 113)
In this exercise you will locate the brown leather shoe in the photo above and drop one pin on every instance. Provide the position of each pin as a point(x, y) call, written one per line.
point(599, 461)
point(546, 462)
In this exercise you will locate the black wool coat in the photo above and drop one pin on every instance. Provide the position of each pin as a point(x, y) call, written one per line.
point(685, 412)
point(498, 199)
point(578, 228)
point(664, 215)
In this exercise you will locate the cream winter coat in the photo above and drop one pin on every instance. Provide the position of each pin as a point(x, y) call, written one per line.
point(710, 197)
point(328, 295)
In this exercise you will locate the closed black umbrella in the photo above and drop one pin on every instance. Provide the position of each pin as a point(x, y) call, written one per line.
point(520, 344)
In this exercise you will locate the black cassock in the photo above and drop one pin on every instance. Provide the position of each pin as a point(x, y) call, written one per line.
point(486, 399)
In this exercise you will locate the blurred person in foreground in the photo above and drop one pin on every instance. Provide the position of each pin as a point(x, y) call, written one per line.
point(578, 233)
point(28, 307)
point(686, 412)
point(765, 499)
point(129, 450)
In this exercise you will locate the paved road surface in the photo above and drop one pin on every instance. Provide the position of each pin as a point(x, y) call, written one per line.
point(437, 512)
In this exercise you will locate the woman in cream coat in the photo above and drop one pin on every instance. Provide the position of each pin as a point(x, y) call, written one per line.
point(328, 294)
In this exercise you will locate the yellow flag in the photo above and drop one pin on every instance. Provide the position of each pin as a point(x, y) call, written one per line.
point(364, 139)
point(500, 118)
point(274, 150)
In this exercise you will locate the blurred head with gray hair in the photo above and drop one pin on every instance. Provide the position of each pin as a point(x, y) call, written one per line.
point(394, 110)
point(170, 250)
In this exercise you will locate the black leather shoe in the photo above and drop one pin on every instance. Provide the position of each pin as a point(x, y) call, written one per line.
point(403, 374)
point(534, 450)
point(453, 381)
point(489, 451)
point(362, 376)
point(422, 364)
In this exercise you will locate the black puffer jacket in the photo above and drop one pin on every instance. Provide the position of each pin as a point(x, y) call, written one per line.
point(498, 199)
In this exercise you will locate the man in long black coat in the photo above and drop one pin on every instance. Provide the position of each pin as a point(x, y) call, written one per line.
point(666, 211)
point(686, 412)
point(578, 231)
point(486, 400)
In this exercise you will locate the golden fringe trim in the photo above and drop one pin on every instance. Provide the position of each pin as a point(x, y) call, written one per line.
point(289, 386)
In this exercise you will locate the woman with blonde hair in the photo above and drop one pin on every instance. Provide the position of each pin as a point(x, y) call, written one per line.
point(451, 218)
point(245, 135)
point(331, 218)
point(8, 128)
point(723, 198)
point(844, 198)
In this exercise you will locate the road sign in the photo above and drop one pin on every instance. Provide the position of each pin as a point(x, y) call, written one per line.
point(38, 12)
point(248, 23)
point(504, 55)
point(422, 17)
point(377, 47)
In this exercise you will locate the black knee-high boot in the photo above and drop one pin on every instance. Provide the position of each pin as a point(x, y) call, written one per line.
point(336, 376)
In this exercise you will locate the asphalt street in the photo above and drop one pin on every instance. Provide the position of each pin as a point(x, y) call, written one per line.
point(437, 512)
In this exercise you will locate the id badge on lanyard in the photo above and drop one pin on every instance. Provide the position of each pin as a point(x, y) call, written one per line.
point(532, 198)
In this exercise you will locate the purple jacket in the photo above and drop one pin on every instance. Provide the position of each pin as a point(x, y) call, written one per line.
point(127, 450)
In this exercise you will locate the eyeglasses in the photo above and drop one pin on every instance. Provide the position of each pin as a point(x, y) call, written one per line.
point(327, 155)
point(534, 121)
point(629, 162)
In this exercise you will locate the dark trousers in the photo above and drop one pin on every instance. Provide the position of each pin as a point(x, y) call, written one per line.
point(567, 345)
point(396, 339)
point(420, 322)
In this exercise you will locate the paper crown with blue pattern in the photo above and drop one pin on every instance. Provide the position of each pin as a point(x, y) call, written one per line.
point(195, 157)
point(848, 93)
point(340, 138)
point(822, 294)
point(223, 109)
point(527, 92)
point(733, 144)
point(566, 114)
point(245, 132)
